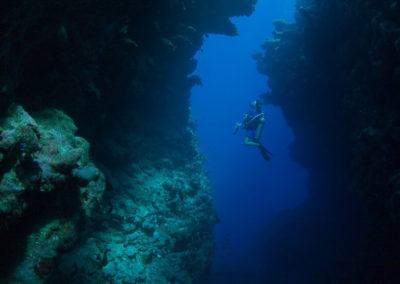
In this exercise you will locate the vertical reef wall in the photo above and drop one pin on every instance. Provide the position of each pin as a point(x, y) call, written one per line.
point(137, 208)
point(336, 74)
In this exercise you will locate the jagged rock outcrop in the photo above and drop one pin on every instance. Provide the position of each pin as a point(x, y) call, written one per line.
point(335, 73)
point(121, 71)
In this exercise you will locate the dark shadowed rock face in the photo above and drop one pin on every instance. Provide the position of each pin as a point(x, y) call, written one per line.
point(95, 59)
point(121, 70)
point(335, 73)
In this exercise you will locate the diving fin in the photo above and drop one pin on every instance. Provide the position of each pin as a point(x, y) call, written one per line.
point(265, 153)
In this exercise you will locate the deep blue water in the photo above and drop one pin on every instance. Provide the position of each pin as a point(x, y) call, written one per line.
point(248, 192)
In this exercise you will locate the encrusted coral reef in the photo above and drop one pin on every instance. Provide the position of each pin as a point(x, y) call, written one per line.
point(121, 71)
point(335, 73)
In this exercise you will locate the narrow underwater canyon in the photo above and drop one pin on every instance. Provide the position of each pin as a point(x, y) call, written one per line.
point(101, 177)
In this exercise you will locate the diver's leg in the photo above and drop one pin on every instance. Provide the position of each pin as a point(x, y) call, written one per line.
point(259, 130)
point(248, 141)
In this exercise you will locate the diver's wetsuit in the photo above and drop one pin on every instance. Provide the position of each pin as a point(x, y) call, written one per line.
point(251, 127)
point(251, 124)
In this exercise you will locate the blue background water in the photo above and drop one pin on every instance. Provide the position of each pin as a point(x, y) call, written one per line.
point(248, 192)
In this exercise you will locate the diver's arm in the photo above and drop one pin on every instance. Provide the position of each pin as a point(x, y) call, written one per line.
point(237, 126)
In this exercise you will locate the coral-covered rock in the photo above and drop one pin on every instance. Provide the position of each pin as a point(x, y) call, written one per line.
point(37, 182)
point(157, 225)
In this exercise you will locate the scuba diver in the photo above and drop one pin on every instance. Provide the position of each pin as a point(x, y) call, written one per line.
point(253, 122)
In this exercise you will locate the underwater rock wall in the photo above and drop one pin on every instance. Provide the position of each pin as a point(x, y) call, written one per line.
point(120, 70)
point(336, 74)
point(156, 226)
